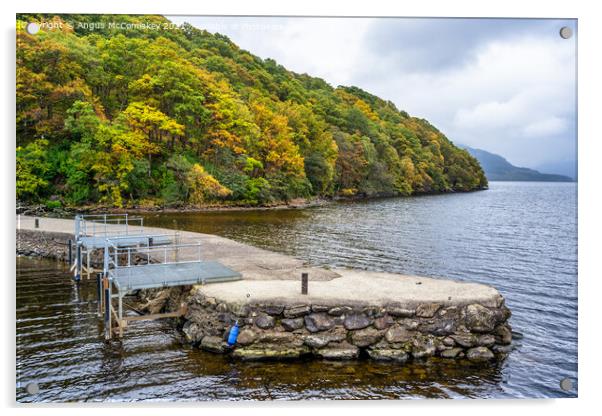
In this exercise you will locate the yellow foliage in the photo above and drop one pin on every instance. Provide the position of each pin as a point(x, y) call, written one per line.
point(365, 108)
point(204, 187)
point(348, 191)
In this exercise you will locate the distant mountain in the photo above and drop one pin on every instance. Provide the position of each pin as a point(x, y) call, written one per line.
point(499, 169)
point(563, 167)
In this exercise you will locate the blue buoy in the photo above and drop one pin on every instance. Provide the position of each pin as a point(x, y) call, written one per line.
point(233, 334)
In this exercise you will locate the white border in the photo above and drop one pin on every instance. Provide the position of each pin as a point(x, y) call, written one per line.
point(589, 154)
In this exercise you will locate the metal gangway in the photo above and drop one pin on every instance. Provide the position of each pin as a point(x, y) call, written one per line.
point(133, 263)
point(91, 231)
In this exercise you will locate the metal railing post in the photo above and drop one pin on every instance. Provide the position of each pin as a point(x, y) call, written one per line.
point(99, 292)
point(106, 258)
point(77, 229)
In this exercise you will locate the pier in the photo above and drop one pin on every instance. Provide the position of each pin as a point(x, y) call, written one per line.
point(284, 307)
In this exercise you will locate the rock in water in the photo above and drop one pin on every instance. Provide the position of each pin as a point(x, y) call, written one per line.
point(465, 340)
point(486, 340)
point(451, 353)
point(342, 351)
point(213, 344)
point(192, 332)
point(423, 347)
point(381, 354)
point(270, 351)
point(480, 318)
point(503, 335)
point(479, 354)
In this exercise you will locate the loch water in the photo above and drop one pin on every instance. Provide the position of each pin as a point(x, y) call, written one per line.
point(520, 237)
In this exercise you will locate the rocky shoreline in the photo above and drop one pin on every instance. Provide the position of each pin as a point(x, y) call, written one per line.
point(66, 211)
point(42, 210)
point(50, 245)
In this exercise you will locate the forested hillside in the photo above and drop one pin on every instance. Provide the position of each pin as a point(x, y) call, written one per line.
point(173, 117)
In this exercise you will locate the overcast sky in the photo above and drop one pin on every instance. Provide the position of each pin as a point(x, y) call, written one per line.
point(502, 85)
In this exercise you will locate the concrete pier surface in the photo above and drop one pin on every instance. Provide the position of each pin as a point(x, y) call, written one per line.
point(270, 277)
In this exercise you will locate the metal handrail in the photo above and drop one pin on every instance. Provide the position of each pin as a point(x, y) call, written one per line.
point(112, 259)
point(145, 242)
point(100, 223)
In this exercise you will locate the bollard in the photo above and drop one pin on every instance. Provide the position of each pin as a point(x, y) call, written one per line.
point(304, 283)
point(36, 223)
point(70, 252)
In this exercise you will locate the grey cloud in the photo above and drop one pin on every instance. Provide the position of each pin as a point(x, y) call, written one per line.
point(434, 44)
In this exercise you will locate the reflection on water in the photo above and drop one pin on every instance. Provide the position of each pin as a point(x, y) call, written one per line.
point(520, 237)
point(60, 346)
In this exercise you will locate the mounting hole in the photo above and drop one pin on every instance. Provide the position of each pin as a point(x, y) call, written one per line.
point(566, 384)
point(32, 388)
point(32, 28)
point(566, 32)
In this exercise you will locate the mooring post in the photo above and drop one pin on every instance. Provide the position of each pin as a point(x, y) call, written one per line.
point(99, 292)
point(120, 314)
point(36, 223)
point(107, 287)
point(88, 264)
point(304, 283)
point(78, 259)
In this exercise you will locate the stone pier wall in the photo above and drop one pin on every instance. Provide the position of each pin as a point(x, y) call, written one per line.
point(391, 332)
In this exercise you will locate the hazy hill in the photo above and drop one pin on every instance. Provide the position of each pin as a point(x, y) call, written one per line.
point(499, 169)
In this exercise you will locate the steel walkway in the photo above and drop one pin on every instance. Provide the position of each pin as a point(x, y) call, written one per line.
point(134, 260)
point(128, 279)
